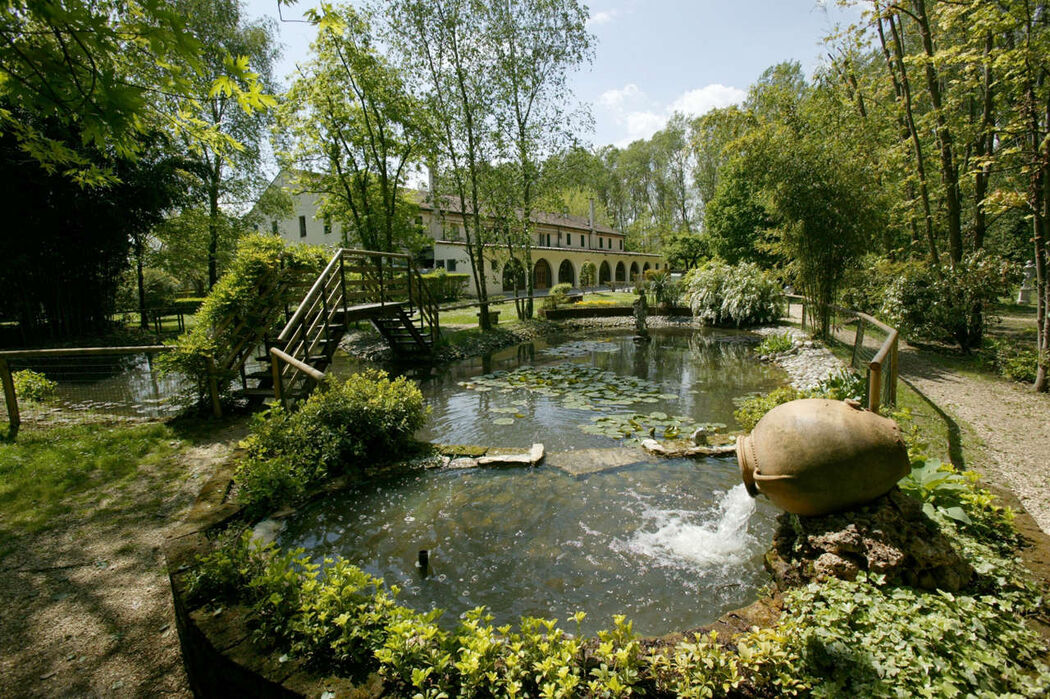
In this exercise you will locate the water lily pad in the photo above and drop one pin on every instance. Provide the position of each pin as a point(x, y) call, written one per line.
point(503, 421)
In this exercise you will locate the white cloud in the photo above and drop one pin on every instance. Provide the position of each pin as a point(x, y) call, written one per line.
point(617, 99)
point(704, 99)
point(640, 117)
point(603, 17)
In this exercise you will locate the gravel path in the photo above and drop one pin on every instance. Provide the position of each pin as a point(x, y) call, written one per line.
point(1011, 420)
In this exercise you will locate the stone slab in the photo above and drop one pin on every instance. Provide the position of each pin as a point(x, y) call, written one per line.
point(582, 462)
point(654, 447)
point(533, 457)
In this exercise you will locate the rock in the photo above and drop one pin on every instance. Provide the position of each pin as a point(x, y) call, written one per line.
point(890, 536)
point(582, 462)
point(699, 437)
point(463, 462)
point(267, 530)
point(654, 447)
point(533, 457)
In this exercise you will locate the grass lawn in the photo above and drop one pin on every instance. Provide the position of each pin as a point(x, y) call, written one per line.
point(52, 471)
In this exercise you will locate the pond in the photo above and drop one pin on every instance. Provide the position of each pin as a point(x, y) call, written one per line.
point(673, 544)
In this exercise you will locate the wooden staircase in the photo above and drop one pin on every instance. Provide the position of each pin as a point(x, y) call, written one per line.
point(384, 288)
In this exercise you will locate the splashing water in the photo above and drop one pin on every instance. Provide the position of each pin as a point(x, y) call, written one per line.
point(717, 537)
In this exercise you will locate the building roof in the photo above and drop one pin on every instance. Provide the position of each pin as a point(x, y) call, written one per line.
point(451, 204)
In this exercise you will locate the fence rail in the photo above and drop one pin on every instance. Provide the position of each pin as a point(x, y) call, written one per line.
point(88, 366)
point(874, 347)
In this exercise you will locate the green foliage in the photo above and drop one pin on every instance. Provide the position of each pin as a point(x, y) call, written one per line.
point(952, 307)
point(158, 286)
point(253, 291)
point(1011, 360)
point(863, 639)
point(588, 274)
point(776, 344)
point(444, 286)
point(841, 386)
point(557, 296)
point(752, 408)
point(737, 221)
point(367, 418)
point(665, 290)
point(32, 385)
point(721, 294)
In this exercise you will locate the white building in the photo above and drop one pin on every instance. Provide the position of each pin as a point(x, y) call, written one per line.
point(563, 244)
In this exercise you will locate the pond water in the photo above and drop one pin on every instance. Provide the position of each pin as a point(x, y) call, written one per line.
point(671, 543)
point(129, 385)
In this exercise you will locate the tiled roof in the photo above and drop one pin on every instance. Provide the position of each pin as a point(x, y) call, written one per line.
point(451, 204)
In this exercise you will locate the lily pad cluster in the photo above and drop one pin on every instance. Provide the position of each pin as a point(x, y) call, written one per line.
point(578, 386)
point(634, 427)
point(581, 348)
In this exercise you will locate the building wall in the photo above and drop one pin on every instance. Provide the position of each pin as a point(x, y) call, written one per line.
point(569, 244)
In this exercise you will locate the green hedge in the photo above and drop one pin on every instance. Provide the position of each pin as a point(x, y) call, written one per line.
point(366, 418)
point(444, 286)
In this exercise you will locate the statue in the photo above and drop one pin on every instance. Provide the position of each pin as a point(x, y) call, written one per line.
point(641, 314)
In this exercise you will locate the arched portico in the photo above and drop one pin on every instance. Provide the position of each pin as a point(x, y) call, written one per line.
point(541, 274)
point(604, 274)
point(513, 276)
point(621, 272)
point(566, 273)
point(634, 271)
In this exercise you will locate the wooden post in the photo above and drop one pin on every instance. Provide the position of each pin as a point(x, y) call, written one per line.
point(213, 388)
point(14, 418)
point(874, 386)
point(278, 380)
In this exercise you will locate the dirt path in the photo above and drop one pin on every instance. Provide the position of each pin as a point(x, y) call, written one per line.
point(87, 605)
point(1011, 420)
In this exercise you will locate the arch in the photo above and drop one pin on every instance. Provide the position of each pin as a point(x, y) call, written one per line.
point(513, 275)
point(621, 272)
point(588, 274)
point(566, 273)
point(604, 274)
point(541, 274)
point(645, 268)
point(634, 271)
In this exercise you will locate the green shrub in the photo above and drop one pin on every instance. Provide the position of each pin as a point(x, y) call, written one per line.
point(31, 385)
point(842, 385)
point(444, 286)
point(159, 289)
point(368, 417)
point(952, 309)
point(1011, 360)
point(665, 290)
point(776, 344)
point(752, 408)
point(742, 295)
point(254, 289)
point(588, 275)
point(557, 296)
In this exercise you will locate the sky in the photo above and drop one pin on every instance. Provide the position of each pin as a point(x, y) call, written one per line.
point(655, 57)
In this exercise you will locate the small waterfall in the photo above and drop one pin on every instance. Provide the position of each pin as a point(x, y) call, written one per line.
point(714, 538)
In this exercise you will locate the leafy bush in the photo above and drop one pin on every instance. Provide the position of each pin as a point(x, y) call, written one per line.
point(742, 295)
point(953, 308)
point(665, 290)
point(31, 385)
point(752, 408)
point(367, 417)
point(588, 274)
point(557, 296)
point(776, 344)
point(158, 286)
point(1012, 361)
point(842, 385)
point(254, 289)
point(444, 286)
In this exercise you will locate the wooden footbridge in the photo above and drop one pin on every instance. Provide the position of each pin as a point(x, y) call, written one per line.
point(383, 288)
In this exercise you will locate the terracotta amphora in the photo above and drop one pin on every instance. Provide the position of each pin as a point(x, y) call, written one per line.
point(817, 456)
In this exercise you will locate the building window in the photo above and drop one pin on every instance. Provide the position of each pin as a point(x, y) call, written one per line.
point(327, 225)
point(621, 243)
point(439, 263)
point(601, 242)
point(273, 227)
point(451, 266)
point(568, 240)
point(302, 226)
point(658, 265)
point(548, 240)
point(419, 220)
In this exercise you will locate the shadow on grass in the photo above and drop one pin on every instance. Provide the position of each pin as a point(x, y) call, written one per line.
point(955, 443)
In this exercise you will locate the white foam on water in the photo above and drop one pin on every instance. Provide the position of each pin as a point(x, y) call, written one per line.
point(716, 538)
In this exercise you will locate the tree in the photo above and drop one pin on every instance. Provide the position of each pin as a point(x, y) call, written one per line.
point(534, 43)
point(356, 131)
point(737, 222)
point(104, 73)
point(225, 176)
point(685, 251)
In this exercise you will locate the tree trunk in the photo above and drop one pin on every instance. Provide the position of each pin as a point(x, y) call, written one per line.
point(143, 321)
point(213, 223)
